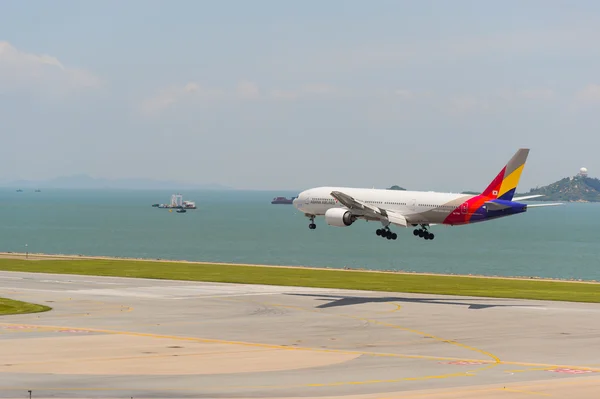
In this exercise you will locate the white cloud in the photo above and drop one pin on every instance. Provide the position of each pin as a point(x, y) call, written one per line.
point(528, 43)
point(279, 94)
point(537, 94)
point(317, 88)
point(453, 104)
point(311, 90)
point(192, 91)
point(467, 104)
point(19, 69)
point(161, 101)
point(248, 90)
point(169, 96)
point(589, 94)
point(191, 87)
point(404, 94)
point(496, 101)
point(244, 91)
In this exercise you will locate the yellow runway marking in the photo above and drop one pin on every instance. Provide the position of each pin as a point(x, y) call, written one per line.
point(530, 369)
point(525, 392)
point(102, 359)
point(543, 366)
point(422, 378)
point(397, 308)
point(491, 364)
point(495, 360)
point(252, 344)
point(457, 392)
point(106, 307)
point(466, 373)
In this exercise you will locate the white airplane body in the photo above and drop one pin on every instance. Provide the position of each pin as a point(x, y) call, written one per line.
point(342, 206)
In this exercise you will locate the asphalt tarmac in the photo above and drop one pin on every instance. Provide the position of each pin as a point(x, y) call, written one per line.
point(120, 338)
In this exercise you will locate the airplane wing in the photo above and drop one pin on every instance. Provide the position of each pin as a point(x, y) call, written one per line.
point(360, 208)
point(527, 197)
point(396, 218)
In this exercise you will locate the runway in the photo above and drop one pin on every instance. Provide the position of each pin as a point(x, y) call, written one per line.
point(119, 338)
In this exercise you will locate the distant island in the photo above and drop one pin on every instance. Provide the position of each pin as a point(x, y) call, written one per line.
point(570, 189)
point(396, 188)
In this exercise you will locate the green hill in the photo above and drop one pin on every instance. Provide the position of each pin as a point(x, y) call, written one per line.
point(396, 188)
point(572, 189)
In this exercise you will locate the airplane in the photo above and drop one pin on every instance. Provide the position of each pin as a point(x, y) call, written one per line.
point(342, 206)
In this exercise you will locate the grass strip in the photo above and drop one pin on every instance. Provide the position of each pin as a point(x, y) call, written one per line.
point(9, 306)
point(355, 280)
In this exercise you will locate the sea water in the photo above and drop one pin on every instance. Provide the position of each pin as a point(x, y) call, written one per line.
point(244, 227)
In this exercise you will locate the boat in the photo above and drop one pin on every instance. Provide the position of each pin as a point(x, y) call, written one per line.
point(177, 202)
point(181, 210)
point(283, 200)
point(189, 205)
point(38, 191)
point(19, 191)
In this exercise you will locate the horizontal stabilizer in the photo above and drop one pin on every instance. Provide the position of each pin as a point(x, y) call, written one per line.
point(527, 197)
point(540, 205)
point(494, 206)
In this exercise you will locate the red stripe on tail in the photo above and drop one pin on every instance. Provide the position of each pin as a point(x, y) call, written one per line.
point(492, 190)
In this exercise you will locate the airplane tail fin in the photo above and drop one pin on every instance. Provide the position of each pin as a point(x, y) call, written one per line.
point(505, 184)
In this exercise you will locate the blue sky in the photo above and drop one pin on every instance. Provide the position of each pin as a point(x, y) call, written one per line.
point(280, 95)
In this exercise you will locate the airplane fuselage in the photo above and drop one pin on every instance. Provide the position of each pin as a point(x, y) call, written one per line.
point(418, 207)
point(342, 206)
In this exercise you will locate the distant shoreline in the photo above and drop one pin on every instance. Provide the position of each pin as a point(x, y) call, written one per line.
point(43, 256)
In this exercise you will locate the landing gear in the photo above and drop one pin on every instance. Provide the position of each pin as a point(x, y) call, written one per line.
point(312, 224)
point(424, 233)
point(386, 233)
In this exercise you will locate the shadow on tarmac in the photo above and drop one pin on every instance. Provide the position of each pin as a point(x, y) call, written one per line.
point(341, 300)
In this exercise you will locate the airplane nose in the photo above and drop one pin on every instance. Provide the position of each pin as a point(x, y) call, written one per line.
point(297, 202)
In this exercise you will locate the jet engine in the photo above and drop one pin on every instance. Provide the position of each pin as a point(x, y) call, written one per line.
point(339, 217)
